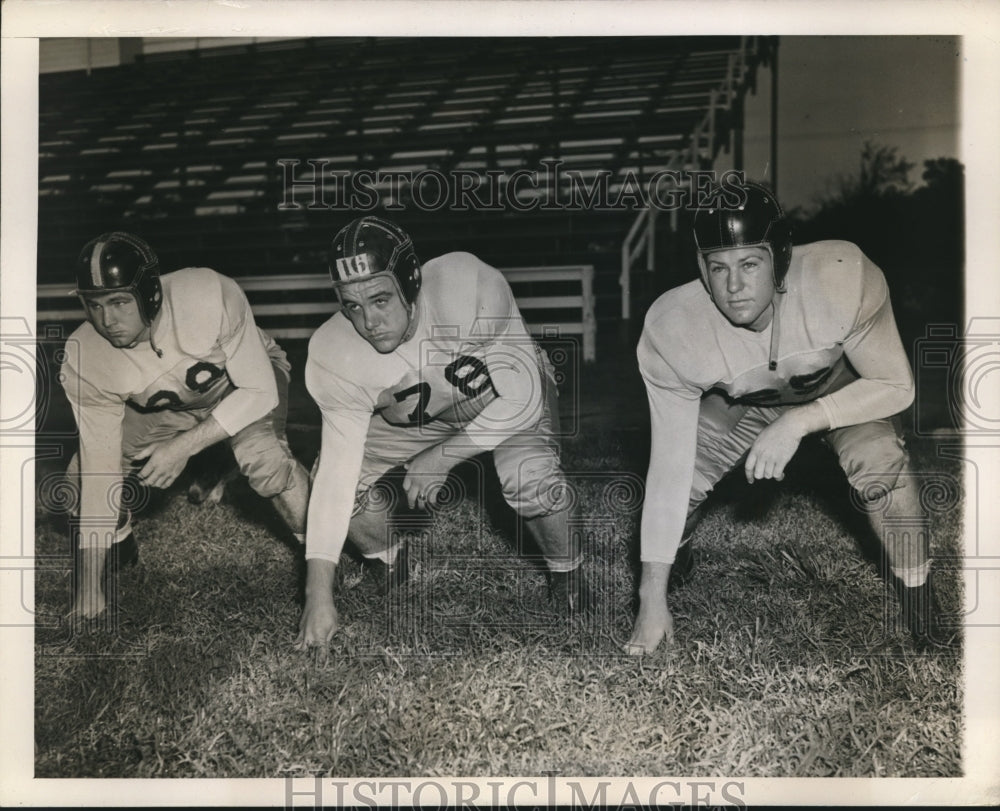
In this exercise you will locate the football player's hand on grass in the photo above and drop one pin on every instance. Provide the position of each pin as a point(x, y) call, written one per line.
point(774, 448)
point(87, 605)
point(425, 474)
point(319, 617)
point(89, 601)
point(165, 461)
point(654, 623)
point(317, 625)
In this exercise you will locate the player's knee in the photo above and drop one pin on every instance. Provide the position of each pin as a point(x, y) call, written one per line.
point(371, 532)
point(382, 515)
point(701, 486)
point(874, 463)
point(73, 468)
point(536, 486)
point(380, 495)
point(694, 515)
point(269, 467)
point(63, 492)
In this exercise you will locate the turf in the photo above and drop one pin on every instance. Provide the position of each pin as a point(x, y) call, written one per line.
point(788, 659)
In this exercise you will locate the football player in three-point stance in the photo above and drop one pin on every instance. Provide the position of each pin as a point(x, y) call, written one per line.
point(166, 366)
point(772, 344)
point(425, 367)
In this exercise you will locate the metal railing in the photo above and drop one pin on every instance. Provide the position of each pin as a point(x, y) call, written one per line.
point(640, 241)
point(56, 304)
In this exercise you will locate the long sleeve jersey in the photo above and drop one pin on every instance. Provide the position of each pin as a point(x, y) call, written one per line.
point(837, 345)
point(205, 352)
point(471, 364)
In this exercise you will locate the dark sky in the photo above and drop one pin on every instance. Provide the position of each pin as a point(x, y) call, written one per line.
point(835, 93)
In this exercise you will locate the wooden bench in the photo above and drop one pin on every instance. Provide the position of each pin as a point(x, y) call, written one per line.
point(556, 302)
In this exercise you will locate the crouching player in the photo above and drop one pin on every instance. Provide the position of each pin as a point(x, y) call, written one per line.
point(166, 367)
point(423, 368)
point(773, 343)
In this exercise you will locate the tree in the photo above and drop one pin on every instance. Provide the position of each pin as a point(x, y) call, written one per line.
point(916, 235)
point(883, 171)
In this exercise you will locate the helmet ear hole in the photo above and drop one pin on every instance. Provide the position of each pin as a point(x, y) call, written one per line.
point(120, 261)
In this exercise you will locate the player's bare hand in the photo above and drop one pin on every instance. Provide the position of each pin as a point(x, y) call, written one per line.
point(653, 625)
point(425, 475)
point(165, 461)
point(317, 625)
point(773, 449)
point(88, 604)
point(89, 601)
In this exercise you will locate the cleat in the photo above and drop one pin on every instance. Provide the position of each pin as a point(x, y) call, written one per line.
point(682, 570)
point(570, 592)
point(922, 615)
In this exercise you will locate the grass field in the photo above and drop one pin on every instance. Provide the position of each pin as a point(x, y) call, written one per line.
point(787, 662)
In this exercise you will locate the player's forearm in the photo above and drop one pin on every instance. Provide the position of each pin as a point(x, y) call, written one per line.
point(333, 491)
point(663, 514)
point(245, 405)
point(875, 351)
point(330, 505)
point(518, 407)
point(865, 400)
point(319, 579)
point(92, 565)
point(668, 481)
point(203, 435)
point(97, 534)
point(247, 364)
point(810, 418)
point(98, 513)
point(99, 481)
point(499, 421)
point(89, 601)
point(327, 521)
point(673, 440)
point(458, 448)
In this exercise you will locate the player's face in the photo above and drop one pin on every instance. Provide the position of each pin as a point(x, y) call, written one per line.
point(377, 312)
point(116, 318)
point(742, 285)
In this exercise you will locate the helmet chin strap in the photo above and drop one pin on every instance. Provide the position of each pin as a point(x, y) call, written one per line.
point(772, 355)
point(152, 328)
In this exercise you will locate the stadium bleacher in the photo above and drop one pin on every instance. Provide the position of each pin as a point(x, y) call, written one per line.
point(193, 150)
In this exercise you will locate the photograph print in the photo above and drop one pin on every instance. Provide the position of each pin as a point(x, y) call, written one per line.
point(565, 406)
